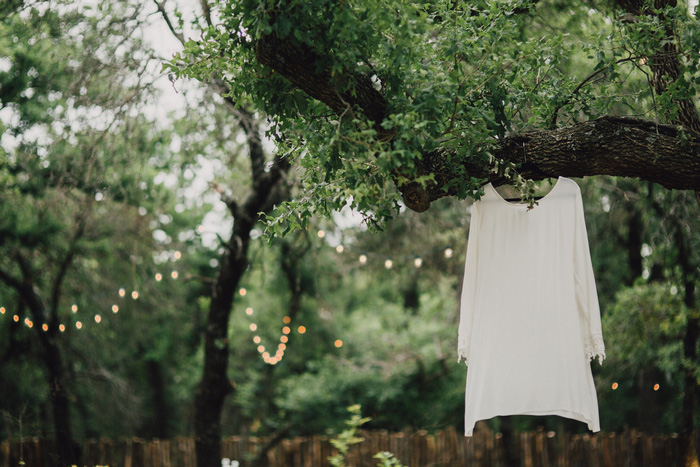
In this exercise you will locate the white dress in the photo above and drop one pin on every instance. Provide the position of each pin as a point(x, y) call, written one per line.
point(529, 316)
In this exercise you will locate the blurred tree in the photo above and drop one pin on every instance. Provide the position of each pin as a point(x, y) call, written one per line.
point(75, 187)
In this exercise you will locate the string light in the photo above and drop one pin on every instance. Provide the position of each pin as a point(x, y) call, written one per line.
point(282, 347)
point(286, 320)
point(74, 308)
point(449, 252)
point(261, 348)
point(134, 295)
point(16, 318)
point(249, 311)
point(62, 327)
point(122, 292)
point(98, 319)
point(28, 322)
point(286, 330)
point(200, 228)
point(257, 339)
point(614, 386)
point(115, 309)
point(174, 274)
point(338, 343)
point(45, 327)
point(177, 255)
point(363, 259)
point(321, 234)
point(159, 277)
point(242, 291)
point(2, 310)
point(339, 248)
point(266, 355)
point(656, 387)
point(284, 339)
point(301, 329)
point(79, 325)
point(418, 262)
point(388, 264)
point(253, 326)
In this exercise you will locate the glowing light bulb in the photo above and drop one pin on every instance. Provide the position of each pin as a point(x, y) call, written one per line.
point(115, 309)
point(301, 329)
point(62, 327)
point(282, 347)
point(134, 295)
point(45, 327)
point(388, 264)
point(321, 234)
point(418, 262)
point(242, 292)
point(74, 308)
point(257, 339)
point(284, 339)
point(159, 277)
point(177, 255)
point(200, 228)
point(98, 319)
point(79, 325)
point(122, 292)
point(261, 348)
point(28, 322)
point(286, 330)
point(174, 274)
point(656, 387)
point(249, 311)
point(363, 259)
point(266, 355)
point(448, 252)
point(339, 248)
point(286, 320)
point(614, 386)
point(338, 343)
point(253, 326)
point(15, 318)
point(2, 310)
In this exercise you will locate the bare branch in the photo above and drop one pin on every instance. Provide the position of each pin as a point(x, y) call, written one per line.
point(161, 8)
point(206, 10)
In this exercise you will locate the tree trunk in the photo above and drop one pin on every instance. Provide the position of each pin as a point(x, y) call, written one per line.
point(268, 188)
point(690, 355)
point(215, 385)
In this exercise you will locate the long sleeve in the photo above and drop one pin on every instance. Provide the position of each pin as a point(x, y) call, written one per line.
point(466, 313)
point(586, 294)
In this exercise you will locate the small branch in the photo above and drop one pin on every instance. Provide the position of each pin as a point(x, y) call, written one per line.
point(578, 88)
point(206, 10)
point(161, 8)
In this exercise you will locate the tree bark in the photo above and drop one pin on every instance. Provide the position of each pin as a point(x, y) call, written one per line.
point(623, 147)
point(269, 188)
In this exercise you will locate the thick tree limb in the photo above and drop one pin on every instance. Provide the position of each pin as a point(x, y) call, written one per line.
point(624, 147)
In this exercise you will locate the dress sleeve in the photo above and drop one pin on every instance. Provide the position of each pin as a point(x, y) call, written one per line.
point(466, 313)
point(586, 294)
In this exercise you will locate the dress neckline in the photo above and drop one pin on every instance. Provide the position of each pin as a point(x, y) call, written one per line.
point(520, 204)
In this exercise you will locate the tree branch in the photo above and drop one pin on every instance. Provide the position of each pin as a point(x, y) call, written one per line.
point(161, 8)
point(619, 146)
point(64, 266)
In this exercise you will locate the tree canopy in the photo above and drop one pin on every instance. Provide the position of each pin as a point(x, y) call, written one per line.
point(435, 98)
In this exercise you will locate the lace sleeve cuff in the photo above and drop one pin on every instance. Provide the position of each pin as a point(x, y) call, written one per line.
point(595, 348)
point(463, 350)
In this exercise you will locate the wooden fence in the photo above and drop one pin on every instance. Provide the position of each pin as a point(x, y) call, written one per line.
point(414, 449)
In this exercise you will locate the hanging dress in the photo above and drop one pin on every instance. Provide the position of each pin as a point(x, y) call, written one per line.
point(529, 315)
